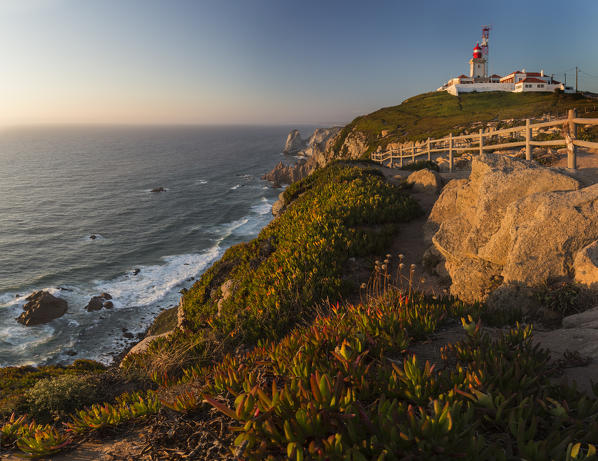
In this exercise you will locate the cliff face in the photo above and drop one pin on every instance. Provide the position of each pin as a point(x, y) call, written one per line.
point(315, 151)
point(294, 143)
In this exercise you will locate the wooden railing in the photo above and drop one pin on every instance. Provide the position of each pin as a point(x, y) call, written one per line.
point(475, 142)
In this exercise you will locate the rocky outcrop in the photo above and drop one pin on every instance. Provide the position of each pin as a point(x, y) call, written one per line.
point(425, 181)
point(587, 319)
point(42, 307)
point(145, 343)
point(98, 302)
point(279, 206)
point(354, 146)
point(227, 289)
point(315, 150)
point(586, 265)
point(512, 225)
point(294, 143)
point(318, 141)
point(287, 174)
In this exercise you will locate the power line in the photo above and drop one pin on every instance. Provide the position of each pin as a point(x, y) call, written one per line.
point(587, 74)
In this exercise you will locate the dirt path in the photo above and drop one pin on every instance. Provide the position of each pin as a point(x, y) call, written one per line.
point(587, 166)
point(409, 240)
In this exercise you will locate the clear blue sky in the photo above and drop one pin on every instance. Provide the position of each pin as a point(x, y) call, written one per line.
point(266, 61)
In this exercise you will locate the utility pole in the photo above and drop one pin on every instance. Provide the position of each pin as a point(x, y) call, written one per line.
point(576, 71)
point(565, 78)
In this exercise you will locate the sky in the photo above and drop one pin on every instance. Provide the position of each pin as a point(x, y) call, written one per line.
point(267, 61)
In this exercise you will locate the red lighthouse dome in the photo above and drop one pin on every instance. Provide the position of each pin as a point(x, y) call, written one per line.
point(477, 51)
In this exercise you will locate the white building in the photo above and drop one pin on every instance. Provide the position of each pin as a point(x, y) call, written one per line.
point(517, 82)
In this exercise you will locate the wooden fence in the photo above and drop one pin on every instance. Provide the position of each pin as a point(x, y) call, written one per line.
point(475, 142)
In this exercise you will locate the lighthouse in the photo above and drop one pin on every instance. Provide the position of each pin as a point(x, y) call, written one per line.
point(477, 64)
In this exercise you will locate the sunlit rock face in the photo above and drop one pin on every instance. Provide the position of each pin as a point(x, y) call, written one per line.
point(512, 225)
point(294, 143)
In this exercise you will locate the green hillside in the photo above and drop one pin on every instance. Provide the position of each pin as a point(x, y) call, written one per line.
point(438, 113)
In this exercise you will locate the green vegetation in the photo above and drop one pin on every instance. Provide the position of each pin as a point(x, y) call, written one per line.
point(438, 113)
point(16, 381)
point(296, 373)
point(261, 289)
point(347, 386)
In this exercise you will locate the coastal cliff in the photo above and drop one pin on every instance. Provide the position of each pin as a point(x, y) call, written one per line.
point(321, 316)
point(432, 115)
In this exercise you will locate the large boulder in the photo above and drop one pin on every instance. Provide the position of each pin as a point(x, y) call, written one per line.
point(294, 143)
point(42, 307)
point(512, 225)
point(425, 181)
point(586, 265)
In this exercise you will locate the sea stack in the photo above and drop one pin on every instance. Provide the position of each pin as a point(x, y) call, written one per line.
point(294, 143)
point(42, 308)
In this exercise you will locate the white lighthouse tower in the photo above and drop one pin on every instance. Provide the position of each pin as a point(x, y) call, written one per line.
point(477, 64)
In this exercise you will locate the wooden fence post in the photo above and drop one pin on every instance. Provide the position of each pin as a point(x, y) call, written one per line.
point(429, 157)
point(451, 152)
point(481, 141)
point(528, 136)
point(401, 156)
point(413, 153)
point(570, 137)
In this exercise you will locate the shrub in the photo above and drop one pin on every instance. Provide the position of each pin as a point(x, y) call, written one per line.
point(50, 398)
point(15, 381)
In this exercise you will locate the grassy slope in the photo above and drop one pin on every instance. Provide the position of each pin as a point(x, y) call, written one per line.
point(295, 263)
point(438, 113)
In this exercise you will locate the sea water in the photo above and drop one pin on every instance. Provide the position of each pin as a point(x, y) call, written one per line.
point(59, 186)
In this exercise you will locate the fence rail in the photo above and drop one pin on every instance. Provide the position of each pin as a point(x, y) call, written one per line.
point(475, 142)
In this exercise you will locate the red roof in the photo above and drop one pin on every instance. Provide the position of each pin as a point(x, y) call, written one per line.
point(531, 80)
point(463, 76)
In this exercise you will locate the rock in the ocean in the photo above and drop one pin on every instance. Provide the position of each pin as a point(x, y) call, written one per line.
point(159, 189)
point(294, 143)
point(95, 304)
point(425, 181)
point(511, 226)
point(42, 308)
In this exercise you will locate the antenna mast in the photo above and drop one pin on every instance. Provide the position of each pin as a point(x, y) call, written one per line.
point(484, 46)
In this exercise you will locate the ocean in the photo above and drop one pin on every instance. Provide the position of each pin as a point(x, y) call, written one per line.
point(59, 186)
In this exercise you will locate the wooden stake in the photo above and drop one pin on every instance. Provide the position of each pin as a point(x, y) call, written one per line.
point(450, 151)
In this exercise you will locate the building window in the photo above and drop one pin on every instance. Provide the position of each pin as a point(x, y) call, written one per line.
point(527, 85)
point(541, 86)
